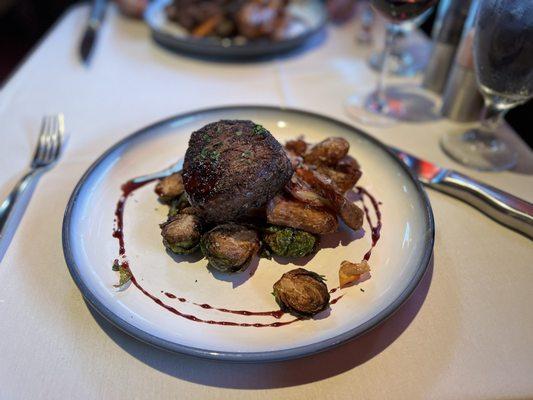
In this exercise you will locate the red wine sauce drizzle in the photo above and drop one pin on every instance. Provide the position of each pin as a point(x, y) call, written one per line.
point(129, 187)
point(276, 314)
point(375, 229)
point(205, 321)
point(173, 296)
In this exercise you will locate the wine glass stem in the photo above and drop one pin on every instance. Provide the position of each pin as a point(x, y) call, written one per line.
point(390, 42)
point(491, 117)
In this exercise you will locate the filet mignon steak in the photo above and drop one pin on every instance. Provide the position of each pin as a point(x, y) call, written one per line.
point(232, 166)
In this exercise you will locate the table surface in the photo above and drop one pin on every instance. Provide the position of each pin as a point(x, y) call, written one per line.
point(465, 333)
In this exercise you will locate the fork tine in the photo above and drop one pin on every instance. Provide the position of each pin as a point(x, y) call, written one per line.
point(55, 141)
point(41, 142)
point(58, 138)
point(50, 141)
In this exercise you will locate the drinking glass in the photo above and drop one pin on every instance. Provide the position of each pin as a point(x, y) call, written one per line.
point(403, 61)
point(503, 59)
point(379, 107)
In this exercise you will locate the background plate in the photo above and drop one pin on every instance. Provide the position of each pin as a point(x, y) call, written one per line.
point(311, 15)
point(398, 262)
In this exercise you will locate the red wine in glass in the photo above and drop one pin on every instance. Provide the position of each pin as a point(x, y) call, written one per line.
point(402, 10)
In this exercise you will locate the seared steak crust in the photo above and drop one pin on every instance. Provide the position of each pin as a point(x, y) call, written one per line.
point(232, 166)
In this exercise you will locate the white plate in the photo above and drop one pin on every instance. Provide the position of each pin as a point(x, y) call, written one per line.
point(398, 262)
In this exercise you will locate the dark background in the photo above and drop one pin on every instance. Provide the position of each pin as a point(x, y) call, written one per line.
point(23, 22)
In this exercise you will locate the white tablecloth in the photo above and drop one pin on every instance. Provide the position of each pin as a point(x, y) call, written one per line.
point(467, 332)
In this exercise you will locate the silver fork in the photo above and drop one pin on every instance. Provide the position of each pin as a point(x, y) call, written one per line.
point(47, 152)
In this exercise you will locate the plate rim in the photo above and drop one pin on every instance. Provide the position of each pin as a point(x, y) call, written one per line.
point(207, 49)
point(264, 356)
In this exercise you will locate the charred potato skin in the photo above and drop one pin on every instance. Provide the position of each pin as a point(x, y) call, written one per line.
point(344, 180)
point(328, 152)
point(297, 146)
point(301, 293)
point(230, 247)
point(349, 212)
point(182, 233)
point(295, 214)
point(170, 188)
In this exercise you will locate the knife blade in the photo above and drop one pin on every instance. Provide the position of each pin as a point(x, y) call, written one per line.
point(98, 9)
point(503, 207)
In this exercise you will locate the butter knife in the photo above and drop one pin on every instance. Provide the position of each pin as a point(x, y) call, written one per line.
point(88, 40)
point(504, 208)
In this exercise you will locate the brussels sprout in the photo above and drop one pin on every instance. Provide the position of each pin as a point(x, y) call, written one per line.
point(170, 187)
point(289, 242)
point(182, 234)
point(230, 247)
point(177, 205)
point(302, 293)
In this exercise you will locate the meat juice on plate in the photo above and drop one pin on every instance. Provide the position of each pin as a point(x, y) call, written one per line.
point(402, 10)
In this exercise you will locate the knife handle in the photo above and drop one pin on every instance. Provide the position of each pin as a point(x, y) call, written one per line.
point(501, 206)
point(98, 9)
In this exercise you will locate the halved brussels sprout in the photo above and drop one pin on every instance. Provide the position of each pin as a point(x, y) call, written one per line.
point(230, 247)
point(182, 233)
point(301, 292)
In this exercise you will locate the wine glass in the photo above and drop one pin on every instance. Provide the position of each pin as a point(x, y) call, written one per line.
point(403, 61)
point(380, 108)
point(503, 59)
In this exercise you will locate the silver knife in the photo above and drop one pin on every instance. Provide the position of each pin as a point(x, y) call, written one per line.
point(502, 207)
point(96, 18)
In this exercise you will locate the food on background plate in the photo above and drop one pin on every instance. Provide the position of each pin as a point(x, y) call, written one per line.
point(246, 19)
point(132, 8)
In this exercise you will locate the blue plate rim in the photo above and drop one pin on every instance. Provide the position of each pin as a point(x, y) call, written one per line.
point(250, 357)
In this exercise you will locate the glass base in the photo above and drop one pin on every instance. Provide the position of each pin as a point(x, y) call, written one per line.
point(479, 150)
point(406, 103)
point(399, 64)
point(367, 110)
